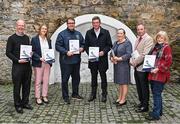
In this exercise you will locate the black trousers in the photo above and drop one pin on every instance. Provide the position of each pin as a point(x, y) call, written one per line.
point(21, 77)
point(68, 70)
point(94, 84)
point(142, 86)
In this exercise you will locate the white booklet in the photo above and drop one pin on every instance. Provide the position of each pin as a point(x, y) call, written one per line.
point(49, 55)
point(135, 54)
point(149, 62)
point(74, 46)
point(25, 52)
point(93, 53)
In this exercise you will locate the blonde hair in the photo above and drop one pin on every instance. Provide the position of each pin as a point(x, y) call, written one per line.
point(164, 34)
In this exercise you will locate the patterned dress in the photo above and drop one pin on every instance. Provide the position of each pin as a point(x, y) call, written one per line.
point(122, 68)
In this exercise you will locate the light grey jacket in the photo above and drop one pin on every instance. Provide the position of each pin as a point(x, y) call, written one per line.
point(143, 49)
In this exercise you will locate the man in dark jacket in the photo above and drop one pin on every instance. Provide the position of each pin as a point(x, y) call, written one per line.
point(21, 68)
point(98, 37)
point(69, 60)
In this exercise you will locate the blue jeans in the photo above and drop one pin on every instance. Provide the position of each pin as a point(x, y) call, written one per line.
point(157, 88)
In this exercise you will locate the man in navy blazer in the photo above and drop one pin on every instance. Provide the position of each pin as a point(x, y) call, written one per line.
point(98, 37)
point(70, 62)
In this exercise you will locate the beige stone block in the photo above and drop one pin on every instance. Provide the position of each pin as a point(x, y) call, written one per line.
point(114, 14)
point(146, 15)
point(158, 17)
point(75, 2)
point(175, 24)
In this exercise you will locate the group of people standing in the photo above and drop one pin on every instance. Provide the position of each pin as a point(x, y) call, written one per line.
point(120, 56)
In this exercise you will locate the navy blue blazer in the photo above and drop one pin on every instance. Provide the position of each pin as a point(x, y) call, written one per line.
point(36, 49)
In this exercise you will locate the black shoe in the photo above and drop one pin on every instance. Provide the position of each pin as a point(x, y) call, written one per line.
point(77, 97)
point(67, 101)
point(39, 102)
point(45, 100)
point(121, 104)
point(19, 110)
point(91, 98)
point(151, 118)
point(116, 102)
point(142, 109)
point(28, 106)
point(103, 99)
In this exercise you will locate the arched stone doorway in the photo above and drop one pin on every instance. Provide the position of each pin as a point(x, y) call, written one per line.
point(83, 23)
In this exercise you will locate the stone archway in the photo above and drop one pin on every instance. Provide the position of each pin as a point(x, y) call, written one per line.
point(83, 23)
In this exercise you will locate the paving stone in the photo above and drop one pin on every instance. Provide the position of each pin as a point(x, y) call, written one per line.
point(84, 112)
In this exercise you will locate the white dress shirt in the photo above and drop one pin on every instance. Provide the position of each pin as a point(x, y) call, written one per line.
point(44, 45)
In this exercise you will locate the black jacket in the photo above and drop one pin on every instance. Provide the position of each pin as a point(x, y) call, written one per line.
point(103, 42)
point(36, 49)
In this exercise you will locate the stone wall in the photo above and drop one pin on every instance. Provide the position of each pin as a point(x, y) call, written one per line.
point(157, 14)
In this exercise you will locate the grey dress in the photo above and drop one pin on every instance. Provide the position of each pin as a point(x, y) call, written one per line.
point(122, 68)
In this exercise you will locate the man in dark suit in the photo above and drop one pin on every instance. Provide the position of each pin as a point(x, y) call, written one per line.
point(98, 37)
point(21, 68)
point(69, 61)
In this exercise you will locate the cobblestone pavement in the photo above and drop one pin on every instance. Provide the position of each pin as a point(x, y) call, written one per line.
point(85, 112)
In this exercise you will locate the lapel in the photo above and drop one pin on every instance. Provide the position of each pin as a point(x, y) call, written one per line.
point(92, 32)
point(100, 33)
point(38, 44)
point(138, 44)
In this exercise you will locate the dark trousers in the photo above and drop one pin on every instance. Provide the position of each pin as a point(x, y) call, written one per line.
point(68, 70)
point(21, 77)
point(142, 86)
point(94, 84)
point(157, 89)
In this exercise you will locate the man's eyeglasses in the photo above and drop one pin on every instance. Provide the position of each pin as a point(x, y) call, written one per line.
point(71, 23)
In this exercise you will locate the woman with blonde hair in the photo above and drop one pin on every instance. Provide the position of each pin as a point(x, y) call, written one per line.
point(41, 68)
point(160, 74)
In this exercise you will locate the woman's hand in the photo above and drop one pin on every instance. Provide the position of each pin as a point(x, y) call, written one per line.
point(155, 70)
point(117, 58)
point(42, 60)
point(113, 60)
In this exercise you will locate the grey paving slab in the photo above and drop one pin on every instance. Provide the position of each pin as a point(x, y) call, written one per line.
point(83, 112)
